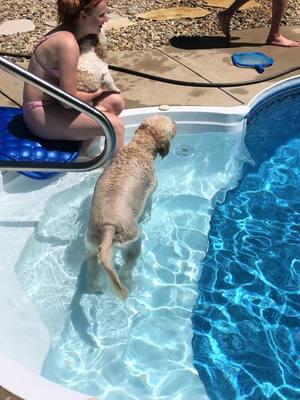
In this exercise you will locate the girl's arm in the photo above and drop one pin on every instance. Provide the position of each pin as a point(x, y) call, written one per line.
point(68, 56)
point(89, 97)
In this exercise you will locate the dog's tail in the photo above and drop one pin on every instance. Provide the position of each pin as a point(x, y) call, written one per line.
point(105, 258)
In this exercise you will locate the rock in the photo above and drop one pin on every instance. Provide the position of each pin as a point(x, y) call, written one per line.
point(164, 14)
point(137, 33)
point(16, 26)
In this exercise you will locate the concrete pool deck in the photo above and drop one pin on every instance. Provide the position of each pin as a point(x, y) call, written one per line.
point(199, 59)
point(211, 64)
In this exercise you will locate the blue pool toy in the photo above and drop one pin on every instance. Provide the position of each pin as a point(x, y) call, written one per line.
point(17, 144)
point(256, 60)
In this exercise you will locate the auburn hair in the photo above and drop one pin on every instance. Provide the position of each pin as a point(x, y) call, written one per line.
point(69, 10)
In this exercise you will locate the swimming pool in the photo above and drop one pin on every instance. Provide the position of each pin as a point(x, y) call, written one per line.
point(95, 344)
point(246, 322)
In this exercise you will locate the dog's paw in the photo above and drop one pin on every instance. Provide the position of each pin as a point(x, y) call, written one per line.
point(110, 87)
point(94, 289)
point(116, 89)
point(127, 281)
point(122, 292)
point(96, 286)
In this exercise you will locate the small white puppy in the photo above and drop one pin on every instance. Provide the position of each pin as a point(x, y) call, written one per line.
point(93, 72)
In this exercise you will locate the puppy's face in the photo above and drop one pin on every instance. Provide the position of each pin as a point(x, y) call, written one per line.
point(164, 129)
point(88, 43)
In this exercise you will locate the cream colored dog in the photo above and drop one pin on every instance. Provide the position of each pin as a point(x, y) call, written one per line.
point(92, 68)
point(119, 201)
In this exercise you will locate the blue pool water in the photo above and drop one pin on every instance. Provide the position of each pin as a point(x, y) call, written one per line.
point(246, 322)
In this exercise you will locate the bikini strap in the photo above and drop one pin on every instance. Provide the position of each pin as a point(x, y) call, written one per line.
point(44, 38)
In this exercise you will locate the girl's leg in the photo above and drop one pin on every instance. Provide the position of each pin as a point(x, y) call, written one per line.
point(55, 122)
point(111, 102)
point(119, 128)
point(91, 147)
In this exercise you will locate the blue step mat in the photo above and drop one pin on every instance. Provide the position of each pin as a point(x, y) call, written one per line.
point(18, 144)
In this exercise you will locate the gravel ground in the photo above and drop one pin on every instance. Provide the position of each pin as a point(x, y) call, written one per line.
point(144, 34)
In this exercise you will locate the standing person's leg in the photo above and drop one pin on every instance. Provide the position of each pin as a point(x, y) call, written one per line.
point(224, 17)
point(275, 38)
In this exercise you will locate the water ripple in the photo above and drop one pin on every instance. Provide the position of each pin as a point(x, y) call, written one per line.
point(246, 321)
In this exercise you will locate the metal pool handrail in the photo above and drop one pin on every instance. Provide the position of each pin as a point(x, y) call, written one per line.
point(57, 93)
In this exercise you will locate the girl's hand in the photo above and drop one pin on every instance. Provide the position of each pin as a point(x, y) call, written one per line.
point(98, 92)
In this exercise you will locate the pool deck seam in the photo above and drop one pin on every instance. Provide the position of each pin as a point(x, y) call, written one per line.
point(9, 98)
point(198, 74)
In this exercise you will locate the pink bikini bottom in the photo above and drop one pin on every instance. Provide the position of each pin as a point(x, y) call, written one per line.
point(31, 105)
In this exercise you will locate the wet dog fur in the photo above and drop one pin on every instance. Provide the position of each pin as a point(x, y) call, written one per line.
point(120, 198)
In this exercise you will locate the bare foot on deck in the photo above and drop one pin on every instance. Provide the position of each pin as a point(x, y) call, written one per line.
point(279, 40)
point(224, 22)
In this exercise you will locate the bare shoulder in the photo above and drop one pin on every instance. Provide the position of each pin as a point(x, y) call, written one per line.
point(65, 41)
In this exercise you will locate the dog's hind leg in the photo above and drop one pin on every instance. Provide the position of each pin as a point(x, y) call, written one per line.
point(109, 83)
point(95, 277)
point(131, 254)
